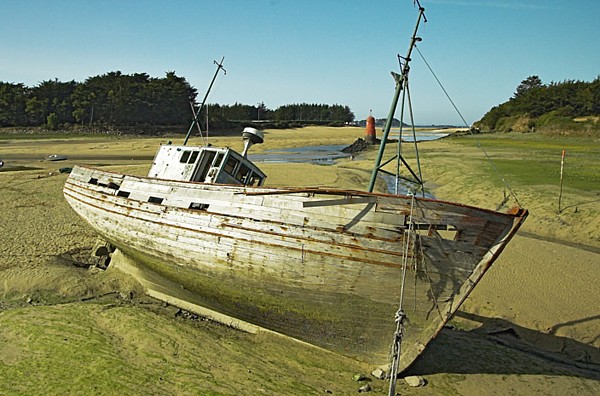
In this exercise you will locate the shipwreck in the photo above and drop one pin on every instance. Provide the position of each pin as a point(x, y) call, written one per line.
point(349, 271)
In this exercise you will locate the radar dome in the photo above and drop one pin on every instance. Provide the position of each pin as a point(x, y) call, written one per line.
point(251, 136)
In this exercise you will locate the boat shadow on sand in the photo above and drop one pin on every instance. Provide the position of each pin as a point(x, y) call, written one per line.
point(499, 346)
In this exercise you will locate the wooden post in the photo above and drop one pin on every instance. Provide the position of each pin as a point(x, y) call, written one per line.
point(562, 165)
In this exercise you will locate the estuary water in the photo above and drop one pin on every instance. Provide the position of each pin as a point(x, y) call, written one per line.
point(327, 155)
point(407, 136)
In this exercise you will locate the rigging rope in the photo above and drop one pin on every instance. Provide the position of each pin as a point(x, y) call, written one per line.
point(506, 185)
point(400, 316)
point(407, 99)
point(414, 132)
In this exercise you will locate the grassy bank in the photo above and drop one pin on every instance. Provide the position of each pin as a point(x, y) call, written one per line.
point(529, 166)
point(530, 326)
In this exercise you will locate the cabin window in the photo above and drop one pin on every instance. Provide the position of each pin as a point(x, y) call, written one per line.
point(255, 180)
point(185, 157)
point(189, 157)
point(205, 161)
point(93, 180)
point(124, 194)
point(230, 165)
point(155, 200)
point(218, 161)
point(243, 174)
point(198, 206)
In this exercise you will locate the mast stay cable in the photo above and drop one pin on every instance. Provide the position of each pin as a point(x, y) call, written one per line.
point(506, 185)
point(401, 81)
point(196, 119)
point(410, 238)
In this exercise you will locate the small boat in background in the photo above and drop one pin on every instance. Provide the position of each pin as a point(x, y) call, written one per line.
point(56, 157)
point(1, 163)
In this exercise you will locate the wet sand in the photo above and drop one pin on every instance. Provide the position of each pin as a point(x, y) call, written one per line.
point(531, 326)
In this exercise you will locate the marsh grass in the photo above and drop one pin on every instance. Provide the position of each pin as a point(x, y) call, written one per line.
point(534, 160)
point(54, 343)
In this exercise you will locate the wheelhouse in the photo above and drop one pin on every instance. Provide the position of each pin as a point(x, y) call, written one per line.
point(205, 165)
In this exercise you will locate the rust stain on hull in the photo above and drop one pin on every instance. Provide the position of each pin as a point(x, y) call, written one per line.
point(323, 266)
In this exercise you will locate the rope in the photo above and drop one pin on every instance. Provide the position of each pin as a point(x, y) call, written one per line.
point(506, 185)
point(414, 132)
point(419, 180)
point(400, 316)
point(399, 145)
point(409, 233)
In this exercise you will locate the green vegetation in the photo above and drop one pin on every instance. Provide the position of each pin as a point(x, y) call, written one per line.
point(534, 160)
point(140, 102)
point(55, 340)
point(112, 99)
point(82, 348)
point(302, 113)
point(52, 121)
point(566, 108)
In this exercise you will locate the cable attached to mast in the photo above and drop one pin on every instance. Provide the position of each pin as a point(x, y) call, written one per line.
point(197, 114)
point(506, 185)
point(410, 240)
point(401, 84)
point(418, 3)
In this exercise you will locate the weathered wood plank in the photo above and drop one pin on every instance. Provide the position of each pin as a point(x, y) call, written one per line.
point(310, 263)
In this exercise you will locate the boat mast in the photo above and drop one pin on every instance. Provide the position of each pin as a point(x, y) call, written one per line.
point(195, 121)
point(401, 86)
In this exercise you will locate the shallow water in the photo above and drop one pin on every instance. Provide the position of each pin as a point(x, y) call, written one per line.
point(404, 187)
point(407, 136)
point(326, 155)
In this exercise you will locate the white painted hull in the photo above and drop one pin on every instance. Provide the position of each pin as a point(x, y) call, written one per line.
point(323, 266)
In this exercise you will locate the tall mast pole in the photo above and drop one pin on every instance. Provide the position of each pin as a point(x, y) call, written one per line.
point(401, 80)
point(197, 115)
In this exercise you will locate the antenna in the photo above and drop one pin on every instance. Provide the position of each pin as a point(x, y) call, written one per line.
point(195, 121)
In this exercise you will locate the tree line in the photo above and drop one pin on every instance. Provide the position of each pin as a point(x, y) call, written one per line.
point(119, 100)
point(301, 112)
point(112, 99)
point(558, 104)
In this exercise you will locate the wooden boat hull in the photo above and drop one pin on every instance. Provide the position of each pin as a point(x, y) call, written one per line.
point(323, 266)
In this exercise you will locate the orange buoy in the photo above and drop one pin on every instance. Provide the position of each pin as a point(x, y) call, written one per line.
point(370, 135)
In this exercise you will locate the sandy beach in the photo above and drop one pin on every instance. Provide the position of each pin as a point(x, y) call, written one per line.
point(531, 326)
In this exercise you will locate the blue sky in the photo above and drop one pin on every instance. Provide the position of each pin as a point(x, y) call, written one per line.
point(315, 51)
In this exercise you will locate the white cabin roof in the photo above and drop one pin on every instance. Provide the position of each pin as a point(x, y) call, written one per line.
point(220, 165)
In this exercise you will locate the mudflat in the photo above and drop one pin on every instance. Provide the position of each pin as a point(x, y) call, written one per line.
point(531, 325)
